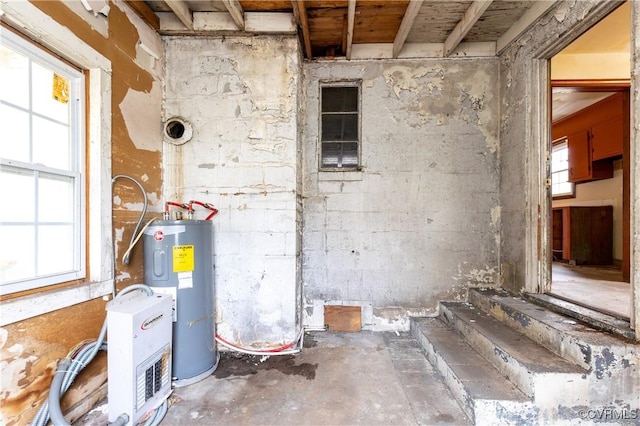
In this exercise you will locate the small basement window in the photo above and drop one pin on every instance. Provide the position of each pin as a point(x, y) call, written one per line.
point(340, 126)
point(560, 185)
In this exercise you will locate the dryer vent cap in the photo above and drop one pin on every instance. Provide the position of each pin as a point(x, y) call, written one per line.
point(177, 131)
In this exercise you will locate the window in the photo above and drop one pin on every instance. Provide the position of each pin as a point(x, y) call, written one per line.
point(340, 126)
point(560, 185)
point(42, 160)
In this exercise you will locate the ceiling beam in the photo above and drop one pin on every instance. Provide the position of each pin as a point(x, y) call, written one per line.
point(469, 19)
point(145, 13)
point(301, 16)
point(405, 26)
point(351, 19)
point(237, 14)
point(526, 20)
point(182, 11)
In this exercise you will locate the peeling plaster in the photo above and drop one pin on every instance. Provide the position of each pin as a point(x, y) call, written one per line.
point(476, 276)
point(397, 319)
point(142, 122)
point(477, 87)
point(411, 79)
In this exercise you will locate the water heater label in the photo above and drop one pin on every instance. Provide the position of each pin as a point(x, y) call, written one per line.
point(183, 258)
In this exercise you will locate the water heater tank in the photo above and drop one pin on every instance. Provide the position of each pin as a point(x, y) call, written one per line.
point(178, 260)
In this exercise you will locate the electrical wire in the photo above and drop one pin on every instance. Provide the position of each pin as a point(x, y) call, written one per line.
point(126, 253)
point(125, 258)
point(282, 350)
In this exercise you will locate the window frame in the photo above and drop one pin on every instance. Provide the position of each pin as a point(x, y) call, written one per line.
point(76, 172)
point(564, 195)
point(354, 83)
point(45, 31)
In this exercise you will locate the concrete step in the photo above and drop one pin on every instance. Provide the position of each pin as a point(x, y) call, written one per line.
point(483, 393)
point(536, 371)
point(580, 343)
point(599, 320)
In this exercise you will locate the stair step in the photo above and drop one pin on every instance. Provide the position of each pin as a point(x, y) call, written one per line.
point(594, 318)
point(536, 371)
point(483, 393)
point(571, 339)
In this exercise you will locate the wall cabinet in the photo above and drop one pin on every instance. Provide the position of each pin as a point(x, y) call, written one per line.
point(595, 137)
point(583, 235)
point(606, 139)
point(582, 166)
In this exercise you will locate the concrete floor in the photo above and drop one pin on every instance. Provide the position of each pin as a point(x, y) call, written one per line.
point(596, 287)
point(339, 379)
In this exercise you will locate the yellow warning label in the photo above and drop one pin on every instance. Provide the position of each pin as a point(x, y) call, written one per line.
point(60, 88)
point(183, 258)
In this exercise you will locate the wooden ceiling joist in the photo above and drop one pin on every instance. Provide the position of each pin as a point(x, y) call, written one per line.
point(469, 19)
point(351, 19)
point(182, 11)
point(235, 10)
point(145, 12)
point(301, 14)
point(405, 26)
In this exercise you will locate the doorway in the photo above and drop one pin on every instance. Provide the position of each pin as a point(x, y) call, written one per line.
point(589, 222)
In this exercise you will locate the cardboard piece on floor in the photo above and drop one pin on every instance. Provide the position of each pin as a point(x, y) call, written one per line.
point(343, 318)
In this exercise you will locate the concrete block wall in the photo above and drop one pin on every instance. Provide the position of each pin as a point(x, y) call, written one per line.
point(241, 96)
point(420, 222)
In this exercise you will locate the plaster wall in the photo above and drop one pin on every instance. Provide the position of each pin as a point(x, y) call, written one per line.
point(241, 96)
point(420, 221)
point(524, 141)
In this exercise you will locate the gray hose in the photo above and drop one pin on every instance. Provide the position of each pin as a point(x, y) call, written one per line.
point(54, 395)
point(122, 420)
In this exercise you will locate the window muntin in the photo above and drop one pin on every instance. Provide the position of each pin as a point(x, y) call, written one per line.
point(42, 222)
point(340, 126)
point(560, 185)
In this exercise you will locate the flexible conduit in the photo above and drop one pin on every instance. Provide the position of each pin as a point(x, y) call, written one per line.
point(77, 359)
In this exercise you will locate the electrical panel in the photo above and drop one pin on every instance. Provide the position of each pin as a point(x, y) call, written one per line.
point(139, 330)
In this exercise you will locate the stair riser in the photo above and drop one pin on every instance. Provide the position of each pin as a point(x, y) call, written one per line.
point(561, 344)
point(506, 413)
point(455, 386)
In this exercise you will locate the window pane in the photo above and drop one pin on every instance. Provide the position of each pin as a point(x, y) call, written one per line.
point(14, 144)
point(17, 190)
point(43, 95)
point(340, 154)
point(339, 99)
point(51, 144)
point(14, 77)
point(17, 253)
point(339, 127)
point(330, 154)
point(55, 199)
point(349, 154)
point(55, 249)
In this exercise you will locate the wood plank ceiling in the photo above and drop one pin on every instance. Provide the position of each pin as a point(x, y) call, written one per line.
point(347, 29)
